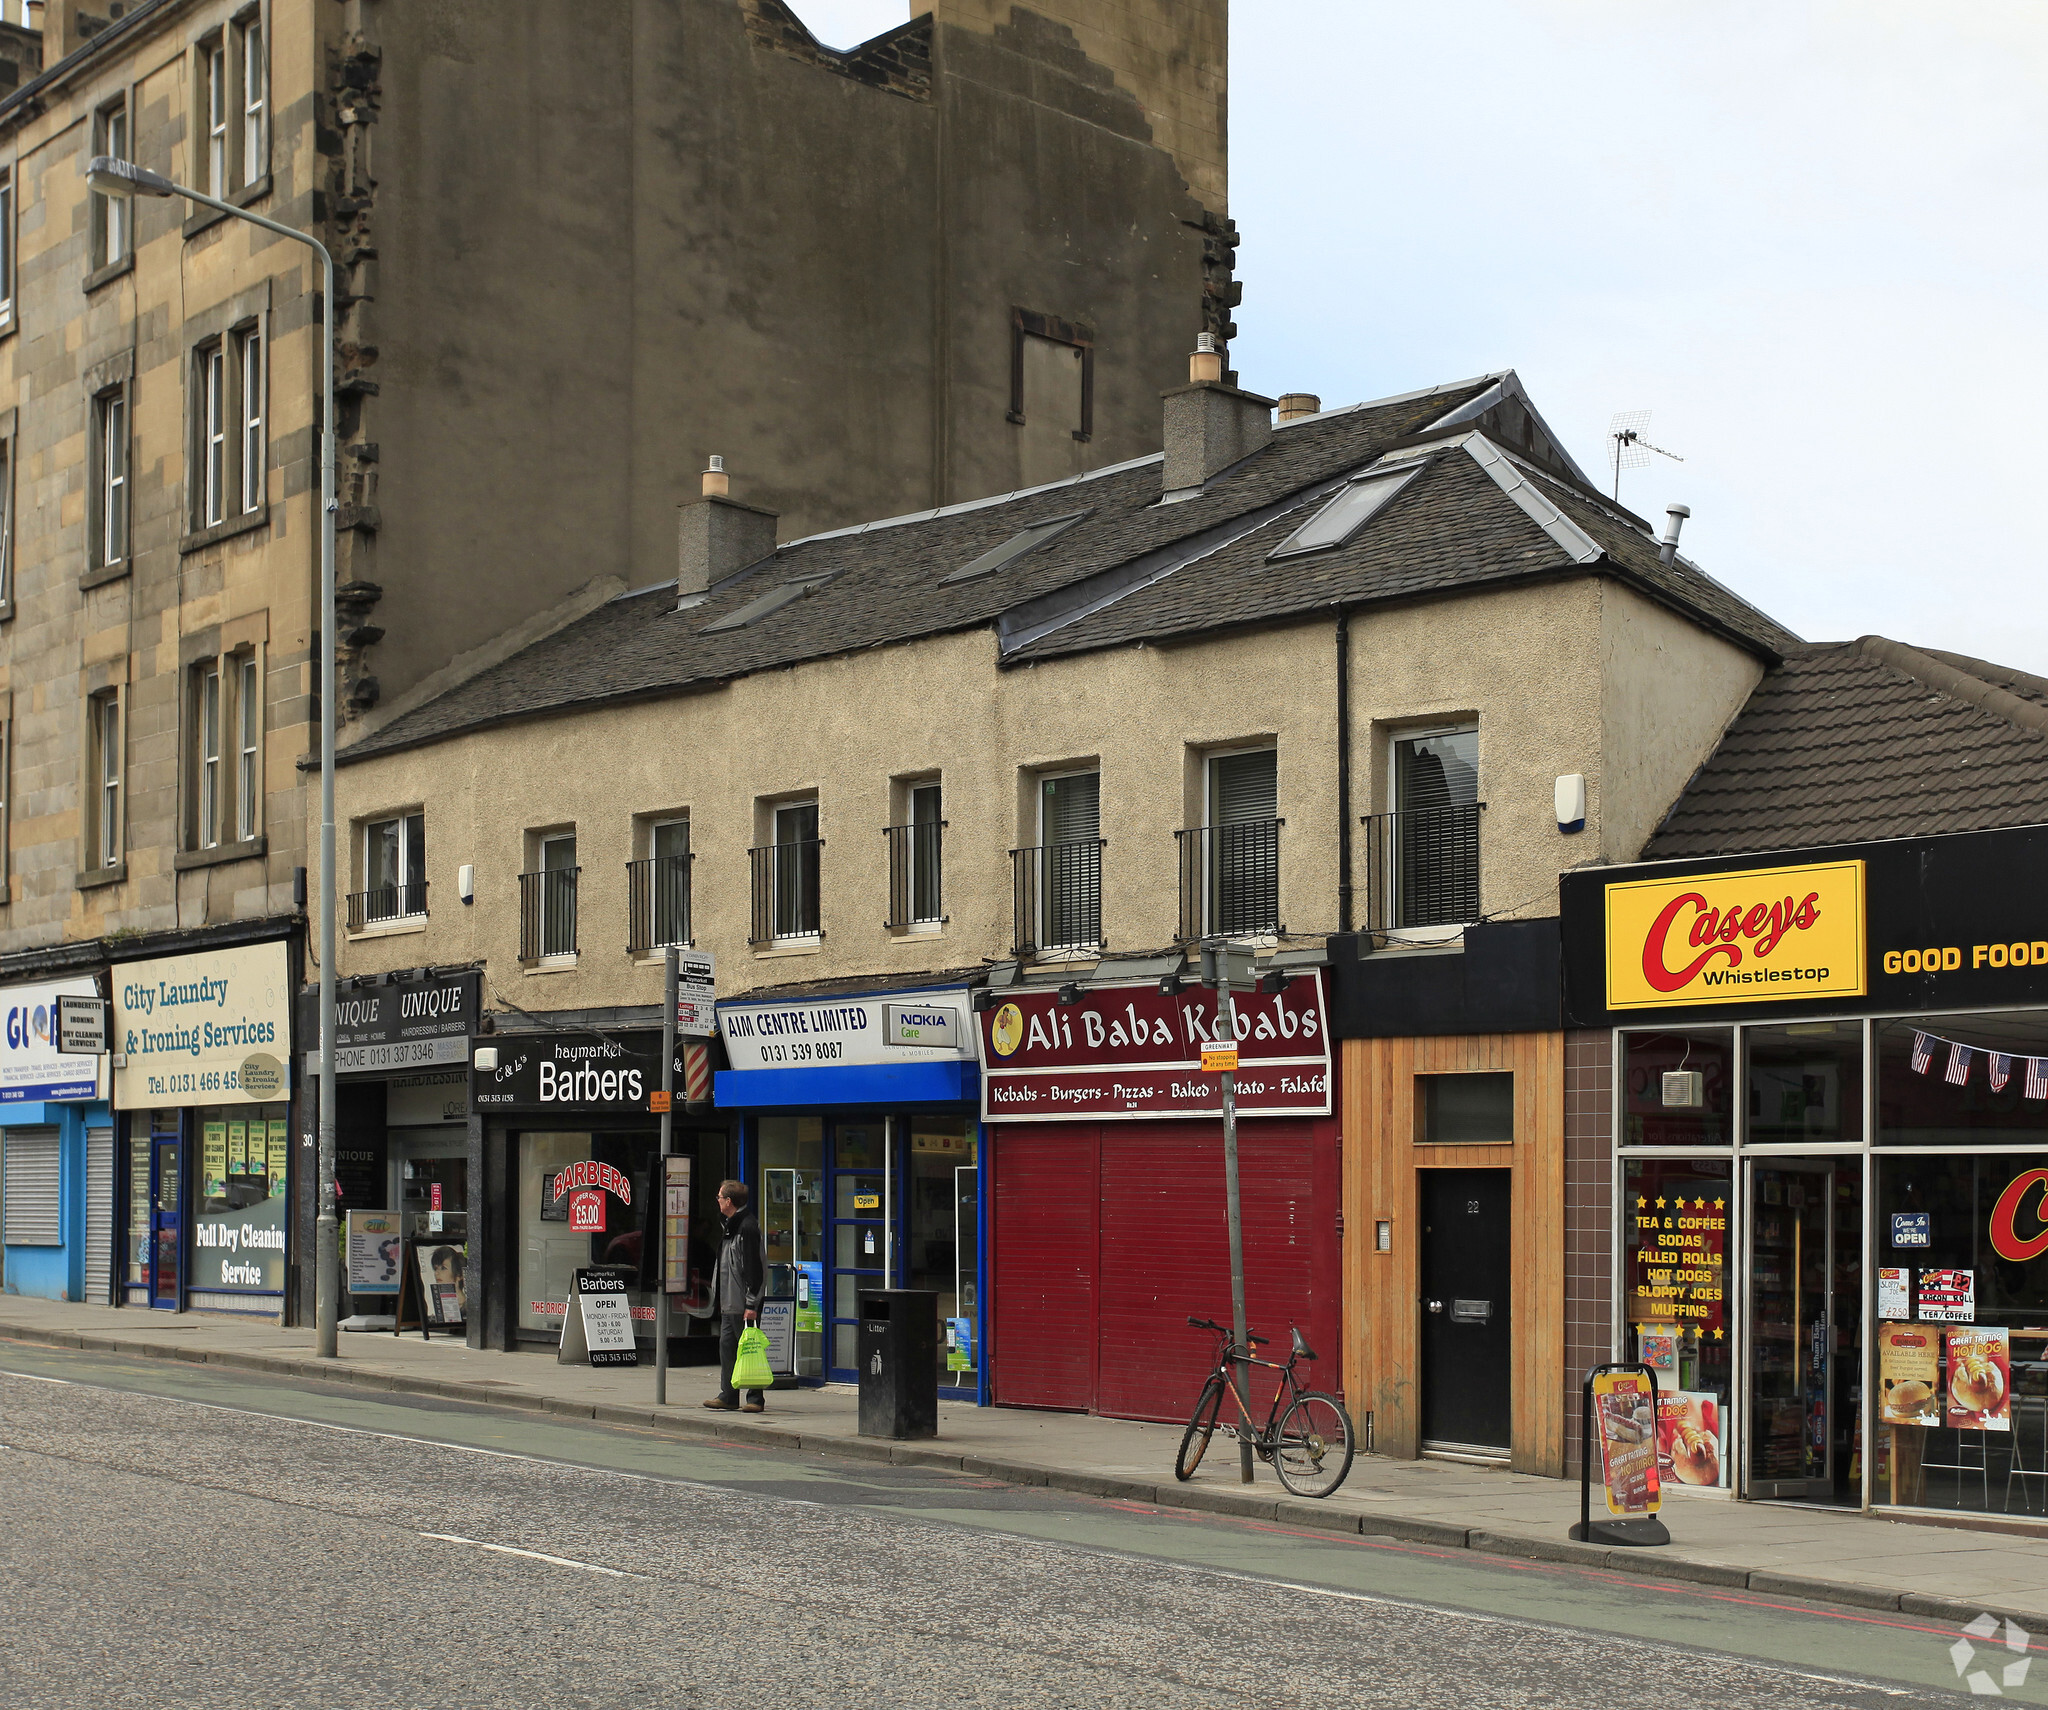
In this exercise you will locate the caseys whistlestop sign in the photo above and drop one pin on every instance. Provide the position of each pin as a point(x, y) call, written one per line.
point(1129, 1051)
point(1736, 937)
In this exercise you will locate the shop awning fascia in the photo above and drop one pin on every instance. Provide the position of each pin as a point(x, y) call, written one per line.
point(944, 1081)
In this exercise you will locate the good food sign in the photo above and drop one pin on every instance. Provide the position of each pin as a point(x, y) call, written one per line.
point(1130, 1051)
point(1779, 932)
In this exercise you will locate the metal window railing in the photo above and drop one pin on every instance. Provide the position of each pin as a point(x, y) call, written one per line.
point(390, 902)
point(785, 890)
point(658, 902)
point(915, 873)
point(1422, 867)
point(547, 913)
point(1230, 878)
point(1057, 896)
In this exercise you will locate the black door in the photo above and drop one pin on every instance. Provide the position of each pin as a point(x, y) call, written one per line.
point(1465, 1308)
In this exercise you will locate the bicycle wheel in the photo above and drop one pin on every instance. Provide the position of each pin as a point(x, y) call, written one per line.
point(1194, 1442)
point(1312, 1449)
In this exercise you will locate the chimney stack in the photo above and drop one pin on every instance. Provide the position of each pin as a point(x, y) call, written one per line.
point(1209, 425)
point(716, 536)
point(61, 29)
point(1674, 515)
point(1295, 405)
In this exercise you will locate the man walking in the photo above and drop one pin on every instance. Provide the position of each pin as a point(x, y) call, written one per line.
point(736, 1291)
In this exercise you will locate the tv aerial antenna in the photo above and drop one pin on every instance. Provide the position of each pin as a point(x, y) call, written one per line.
point(1627, 447)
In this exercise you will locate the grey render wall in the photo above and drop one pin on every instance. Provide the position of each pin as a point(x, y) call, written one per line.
point(610, 240)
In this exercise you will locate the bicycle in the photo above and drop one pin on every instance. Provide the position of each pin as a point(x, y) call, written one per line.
point(1309, 1443)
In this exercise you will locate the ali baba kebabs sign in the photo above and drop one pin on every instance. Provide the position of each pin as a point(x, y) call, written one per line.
point(1132, 1051)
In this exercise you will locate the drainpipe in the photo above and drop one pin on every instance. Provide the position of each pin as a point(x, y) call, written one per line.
point(1344, 917)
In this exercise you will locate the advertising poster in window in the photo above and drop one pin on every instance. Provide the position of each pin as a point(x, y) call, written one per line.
point(1948, 1297)
point(1908, 1375)
point(1678, 1258)
point(1979, 1380)
point(186, 1024)
point(443, 1281)
point(238, 1225)
point(1628, 1442)
point(1689, 1437)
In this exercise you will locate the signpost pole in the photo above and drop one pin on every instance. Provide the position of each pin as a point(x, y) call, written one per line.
point(1226, 1025)
point(656, 1214)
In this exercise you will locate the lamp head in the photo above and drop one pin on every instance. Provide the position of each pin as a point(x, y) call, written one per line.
point(111, 176)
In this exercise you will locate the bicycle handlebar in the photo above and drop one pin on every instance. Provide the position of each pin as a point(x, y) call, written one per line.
point(1221, 1330)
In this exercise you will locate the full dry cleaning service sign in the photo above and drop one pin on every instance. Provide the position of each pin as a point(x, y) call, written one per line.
point(189, 1026)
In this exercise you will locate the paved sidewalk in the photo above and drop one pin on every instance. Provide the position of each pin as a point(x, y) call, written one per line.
point(1925, 1569)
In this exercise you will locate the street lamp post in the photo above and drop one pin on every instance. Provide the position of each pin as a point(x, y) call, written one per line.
point(110, 176)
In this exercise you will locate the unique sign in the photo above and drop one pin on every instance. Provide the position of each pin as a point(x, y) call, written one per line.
point(1133, 1052)
point(555, 1073)
point(1948, 1297)
point(821, 1032)
point(606, 1318)
point(1736, 937)
point(696, 994)
point(33, 1066)
point(1908, 1374)
point(409, 1024)
point(183, 1026)
point(2019, 1221)
point(1678, 1259)
point(1979, 1380)
point(1911, 1229)
point(81, 1024)
point(1628, 1442)
point(375, 1243)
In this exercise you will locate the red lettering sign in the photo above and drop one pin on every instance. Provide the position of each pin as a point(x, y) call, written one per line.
point(586, 1211)
point(2005, 1235)
point(589, 1173)
point(1716, 932)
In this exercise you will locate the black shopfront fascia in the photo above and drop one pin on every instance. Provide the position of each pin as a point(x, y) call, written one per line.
point(1952, 893)
point(586, 1081)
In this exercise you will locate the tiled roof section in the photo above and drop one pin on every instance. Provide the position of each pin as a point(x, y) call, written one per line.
point(1859, 740)
point(889, 588)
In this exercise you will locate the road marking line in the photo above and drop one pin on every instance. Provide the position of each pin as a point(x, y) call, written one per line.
point(534, 1555)
point(37, 1377)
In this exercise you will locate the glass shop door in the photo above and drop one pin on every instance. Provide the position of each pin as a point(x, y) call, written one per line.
point(167, 1218)
point(855, 1237)
point(1805, 1330)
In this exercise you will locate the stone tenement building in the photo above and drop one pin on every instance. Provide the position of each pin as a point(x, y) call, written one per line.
point(581, 249)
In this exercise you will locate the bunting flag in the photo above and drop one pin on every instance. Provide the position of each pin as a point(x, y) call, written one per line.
point(1923, 1053)
point(1999, 1065)
point(2000, 1070)
point(1958, 1065)
point(2037, 1077)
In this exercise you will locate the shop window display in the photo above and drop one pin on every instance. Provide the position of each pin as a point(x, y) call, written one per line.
point(1805, 1084)
point(792, 1204)
point(1677, 1088)
point(942, 1237)
point(1675, 1222)
point(238, 1227)
point(1963, 1080)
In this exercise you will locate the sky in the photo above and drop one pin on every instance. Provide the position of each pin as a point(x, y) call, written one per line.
point(1810, 239)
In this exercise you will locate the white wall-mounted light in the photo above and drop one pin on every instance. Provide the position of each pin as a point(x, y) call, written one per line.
point(465, 883)
point(1571, 803)
point(486, 1059)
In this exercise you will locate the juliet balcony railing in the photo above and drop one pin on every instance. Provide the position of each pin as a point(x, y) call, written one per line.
point(658, 902)
point(916, 871)
point(547, 913)
point(1056, 892)
point(1230, 878)
point(1422, 867)
point(389, 902)
point(785, 891)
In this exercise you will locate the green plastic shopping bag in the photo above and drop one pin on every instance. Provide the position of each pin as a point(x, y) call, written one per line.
point(750, 1364)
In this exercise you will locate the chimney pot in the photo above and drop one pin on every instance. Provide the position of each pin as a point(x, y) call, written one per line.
point(716, 482)
point(1205, 363)
point(1674, 520)
point(1294, 405)
point(716, 535)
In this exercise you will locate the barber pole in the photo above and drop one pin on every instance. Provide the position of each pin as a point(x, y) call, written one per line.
point(697, 1071)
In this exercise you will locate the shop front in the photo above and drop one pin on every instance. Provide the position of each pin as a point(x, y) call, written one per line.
point(1830, 1150)
point(551, 1102)
point(57, 1191)
point(863, 1153)
point(203, 1095)
point(403, 1144)
point(1107, 1224)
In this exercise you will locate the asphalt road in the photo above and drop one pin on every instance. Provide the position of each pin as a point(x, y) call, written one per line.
point(171, 1535)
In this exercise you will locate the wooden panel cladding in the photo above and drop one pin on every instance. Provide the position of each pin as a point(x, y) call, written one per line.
point(1382, 1154)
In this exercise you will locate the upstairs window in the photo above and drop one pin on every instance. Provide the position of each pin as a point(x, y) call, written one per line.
point(915, 861)
point(213, 433)
point(1435, 843)
point(109, 543)
point(6, 248)
point(206, 758)
point(249, 352)
point(248, 747)
point(1230, 866)
point(214, 61)
point(110, 214)
point(103, 774)
point(394, 871)
point(255, 94)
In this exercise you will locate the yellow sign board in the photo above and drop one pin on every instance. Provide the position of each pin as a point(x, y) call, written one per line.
point(1219, 1059)
point(1749, 937)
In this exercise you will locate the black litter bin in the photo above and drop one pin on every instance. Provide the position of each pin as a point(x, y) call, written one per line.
point(899, 1363)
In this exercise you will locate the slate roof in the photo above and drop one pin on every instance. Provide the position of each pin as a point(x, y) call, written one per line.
point(1858, 740)
point(1478, 514)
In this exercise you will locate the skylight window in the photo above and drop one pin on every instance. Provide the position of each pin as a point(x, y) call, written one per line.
point(788, 593)
point(1346, 513)
point(1037, 535)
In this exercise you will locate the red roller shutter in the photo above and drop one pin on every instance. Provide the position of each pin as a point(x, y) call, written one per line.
point(1042, 1346)
point(1166, 1253)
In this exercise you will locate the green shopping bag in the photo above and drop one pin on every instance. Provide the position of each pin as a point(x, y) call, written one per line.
point(750, 1364)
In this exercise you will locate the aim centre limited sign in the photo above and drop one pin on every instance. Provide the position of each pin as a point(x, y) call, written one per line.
point(891, 1027)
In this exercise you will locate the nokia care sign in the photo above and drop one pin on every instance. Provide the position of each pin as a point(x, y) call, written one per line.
point(561, 1072)
point(888, 1027)
point(418, 1021)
